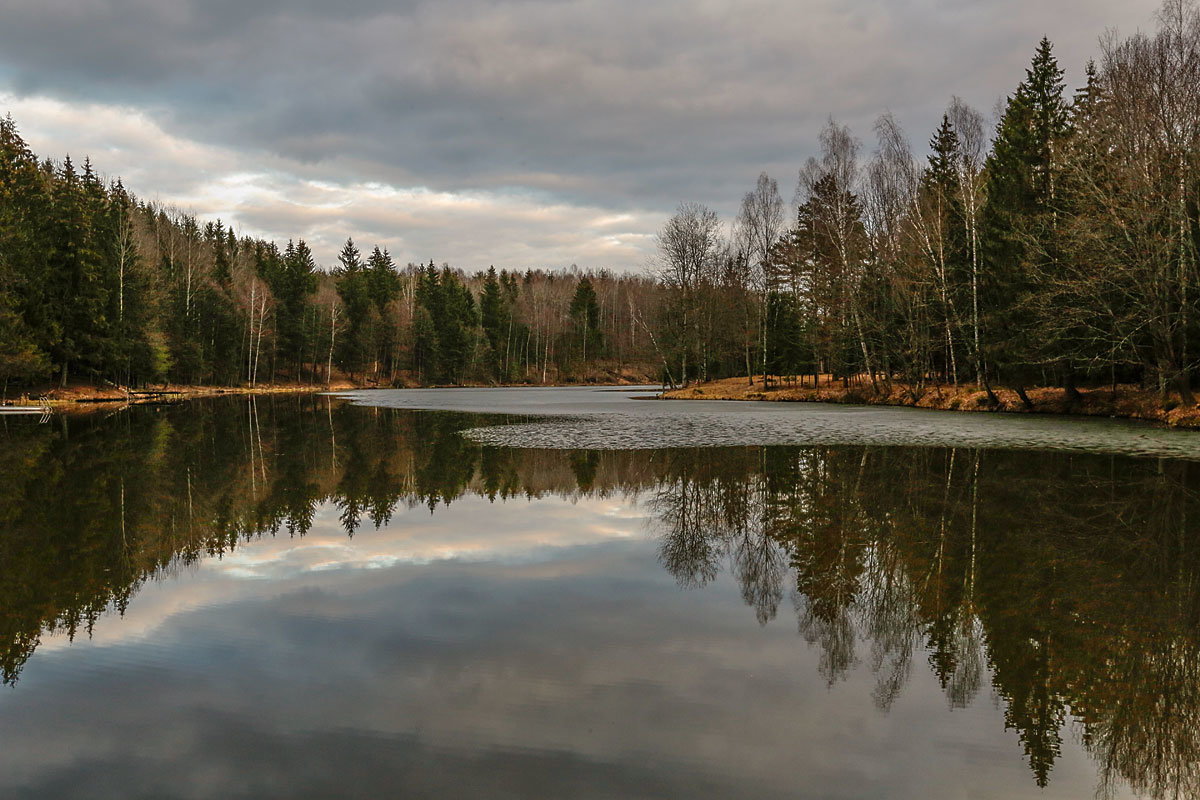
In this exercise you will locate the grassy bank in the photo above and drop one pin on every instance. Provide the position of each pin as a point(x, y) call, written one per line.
point(1129, 402)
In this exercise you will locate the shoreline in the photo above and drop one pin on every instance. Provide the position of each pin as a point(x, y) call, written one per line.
point(80, 399)
point(1127, 402)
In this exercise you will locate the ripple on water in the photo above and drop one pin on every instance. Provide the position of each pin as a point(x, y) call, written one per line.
point(585, 418)
point(878, 427)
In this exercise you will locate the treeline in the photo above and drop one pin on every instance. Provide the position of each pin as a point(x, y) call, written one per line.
point(99, 286)
point(1062, 249)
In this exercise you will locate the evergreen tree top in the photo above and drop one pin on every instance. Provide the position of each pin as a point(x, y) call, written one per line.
point(349, 257)
point(1043, 91)
point(943, 155)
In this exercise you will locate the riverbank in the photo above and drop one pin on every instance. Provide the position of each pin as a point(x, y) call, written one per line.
point(1127, 402)
point(83, 398)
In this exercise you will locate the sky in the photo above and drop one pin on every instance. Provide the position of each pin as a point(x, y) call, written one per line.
point(514, 133)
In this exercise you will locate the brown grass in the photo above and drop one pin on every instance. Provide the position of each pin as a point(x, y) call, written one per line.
point(1131, 402)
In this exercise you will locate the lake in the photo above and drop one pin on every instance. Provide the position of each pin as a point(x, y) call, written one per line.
point(583, 593)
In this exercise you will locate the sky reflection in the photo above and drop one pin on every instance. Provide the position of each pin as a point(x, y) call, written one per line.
point(509, 649)
point(301, 597)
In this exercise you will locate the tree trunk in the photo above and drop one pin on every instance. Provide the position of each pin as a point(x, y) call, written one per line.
point(1072, 390)
point(1183, 383)
point(993, 400)
point(1025, 401)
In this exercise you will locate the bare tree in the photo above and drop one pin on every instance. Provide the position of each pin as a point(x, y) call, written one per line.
point(760, 225)
point(829, 186)
point(689, 246)
point(1133, 233)
point(972, 149)
point(894, 220)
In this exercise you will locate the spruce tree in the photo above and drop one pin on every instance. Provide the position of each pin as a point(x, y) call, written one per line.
point(295, 281)
point(586, 338)
point(492, 317)
point(383, 285)
point(1020, 219)
point(24, 333)
point(352, 288)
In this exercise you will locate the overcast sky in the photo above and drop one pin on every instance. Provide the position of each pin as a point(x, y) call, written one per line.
point(520, 133)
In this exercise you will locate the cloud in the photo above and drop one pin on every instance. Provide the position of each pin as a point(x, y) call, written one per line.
point(563, 110)
point(273, 197)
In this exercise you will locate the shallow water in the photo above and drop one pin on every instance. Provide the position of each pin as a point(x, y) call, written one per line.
point(611, 419)
point(301, 597)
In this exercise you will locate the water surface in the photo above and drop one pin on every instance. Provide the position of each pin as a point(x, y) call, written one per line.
point(610, 419)
point(304, 597)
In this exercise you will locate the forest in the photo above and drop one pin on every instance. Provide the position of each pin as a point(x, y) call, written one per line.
point(1055, 245)
point(98, 286)
point(1059, 250)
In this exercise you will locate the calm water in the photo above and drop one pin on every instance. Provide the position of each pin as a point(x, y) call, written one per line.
point(310, 597)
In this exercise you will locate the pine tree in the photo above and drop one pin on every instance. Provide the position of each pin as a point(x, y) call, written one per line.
point(24, 329)
point(384, 287)
point(75, 289)
point(295, 281)
point(1021, 216)
point(493, 318)
point(351, 280)
point(215, 234)
point(944, 243)
point(585, 336)
point(129, 307)
point(943, 157)
point(424, 346)
point(456, 327)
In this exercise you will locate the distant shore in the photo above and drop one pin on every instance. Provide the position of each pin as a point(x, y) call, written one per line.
point(82, 398)
point(1127, 402)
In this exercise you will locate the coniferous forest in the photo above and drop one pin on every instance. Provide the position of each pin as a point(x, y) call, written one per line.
point(98, 286)
point(1056, 244)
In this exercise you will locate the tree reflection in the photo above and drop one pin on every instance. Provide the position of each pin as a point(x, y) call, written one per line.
point(1070, 584)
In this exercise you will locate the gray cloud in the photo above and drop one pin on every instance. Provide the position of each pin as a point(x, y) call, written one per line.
point(613, 104)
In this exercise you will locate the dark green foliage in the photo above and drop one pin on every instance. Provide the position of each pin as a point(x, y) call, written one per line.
point(383, 284)
point(495, 318)
point(355, 292)
point(294, 281)
point(446, 341)
point(98, 287)
point(789, 355)
point(585, 340)
point(1019, 221)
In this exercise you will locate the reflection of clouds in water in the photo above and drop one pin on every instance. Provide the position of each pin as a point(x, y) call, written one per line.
point(581, 672)
point(516, 531)
point(890, 556)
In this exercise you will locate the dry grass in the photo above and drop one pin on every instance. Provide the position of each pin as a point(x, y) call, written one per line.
point(1130, 402)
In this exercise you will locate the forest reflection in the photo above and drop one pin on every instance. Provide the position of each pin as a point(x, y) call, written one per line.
point(1068, 585)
